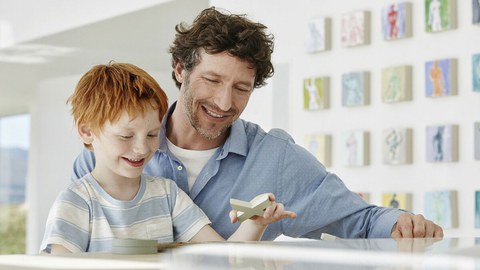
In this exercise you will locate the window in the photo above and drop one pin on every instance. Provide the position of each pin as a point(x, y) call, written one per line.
point(14, 145)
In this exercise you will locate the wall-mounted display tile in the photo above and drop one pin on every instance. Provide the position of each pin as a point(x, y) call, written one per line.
point(316, 93)
point(475, 11)
point(441, 207)
point(317, 37)
point(320, 146)
point(355, 148)
point(477, 209)
point(355, 89)
point(476, 138)
point(355, 28)
point(365, 196)
point(396, 84)
point(442, 143)
point(476, 72)
point(397, 21)
point(400, 200)
point(441, 78)
point(397, 146)
point(440, 15)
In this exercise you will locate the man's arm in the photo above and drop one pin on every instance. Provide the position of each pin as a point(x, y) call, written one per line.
point(327, 205)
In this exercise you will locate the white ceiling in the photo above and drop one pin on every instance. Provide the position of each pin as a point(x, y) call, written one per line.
point(141, 37)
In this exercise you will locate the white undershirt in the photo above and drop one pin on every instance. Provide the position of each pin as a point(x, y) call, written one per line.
point(194, 160)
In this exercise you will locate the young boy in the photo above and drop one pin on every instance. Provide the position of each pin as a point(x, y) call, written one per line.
point(117, 110)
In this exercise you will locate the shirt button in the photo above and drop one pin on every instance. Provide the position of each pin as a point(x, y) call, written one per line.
point(179, 168)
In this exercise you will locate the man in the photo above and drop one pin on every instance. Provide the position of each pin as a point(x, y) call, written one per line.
point(214, 156)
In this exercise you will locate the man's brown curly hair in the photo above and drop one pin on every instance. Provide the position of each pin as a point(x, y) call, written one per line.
point(216, 32)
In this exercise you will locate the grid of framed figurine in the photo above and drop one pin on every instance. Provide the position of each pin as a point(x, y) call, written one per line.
point(441, 142)
point(440, 80)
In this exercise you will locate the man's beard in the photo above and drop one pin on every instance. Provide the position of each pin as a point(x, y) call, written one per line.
point(209, 134)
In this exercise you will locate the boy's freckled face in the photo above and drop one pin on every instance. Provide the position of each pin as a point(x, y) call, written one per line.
point(123, 148)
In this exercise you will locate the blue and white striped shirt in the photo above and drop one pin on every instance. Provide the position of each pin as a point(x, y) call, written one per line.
point(85, 218)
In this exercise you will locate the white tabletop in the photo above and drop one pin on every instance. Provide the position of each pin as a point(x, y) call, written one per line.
point(449, 253)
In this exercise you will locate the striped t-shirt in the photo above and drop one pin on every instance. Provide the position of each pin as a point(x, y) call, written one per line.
point(85, 218)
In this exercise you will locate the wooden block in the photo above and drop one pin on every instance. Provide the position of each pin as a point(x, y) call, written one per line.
point(134, 246)
point(328, 237)
point(255, 207)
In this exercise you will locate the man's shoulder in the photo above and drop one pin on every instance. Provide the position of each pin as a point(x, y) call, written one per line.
point(272, 134)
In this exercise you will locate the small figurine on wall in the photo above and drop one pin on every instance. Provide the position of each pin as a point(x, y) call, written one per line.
point(442, 143)
point(477, 208)
point(476, 138)
point(355, 148)
point(396, 21)
point(318, 35)
point(355, 89)
point(476, 72)
point(440, 15)
point(397, 146)
point(315, 93)
point(320, 146)
point(476, 11)
point(396, 84)
point(441, 207)
point(441, 78)
point(355, 28)
point(401, 200)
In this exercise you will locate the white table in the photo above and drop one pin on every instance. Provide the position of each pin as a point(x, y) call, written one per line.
point(449, 253)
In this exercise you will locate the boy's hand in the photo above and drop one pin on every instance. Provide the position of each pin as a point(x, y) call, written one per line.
point(273, 213)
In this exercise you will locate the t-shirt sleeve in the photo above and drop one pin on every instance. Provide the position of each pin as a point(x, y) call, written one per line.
point(84, 164)
point(187, 217)
point(68, 223)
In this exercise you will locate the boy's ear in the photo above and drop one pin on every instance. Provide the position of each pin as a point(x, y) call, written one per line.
point(179, 72)
point(85, 133)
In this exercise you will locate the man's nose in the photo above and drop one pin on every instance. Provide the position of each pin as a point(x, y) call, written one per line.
point(223, 98)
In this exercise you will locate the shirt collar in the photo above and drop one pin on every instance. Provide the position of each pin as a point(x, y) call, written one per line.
point(235, 143)
point(163, 129)
point(237, 140)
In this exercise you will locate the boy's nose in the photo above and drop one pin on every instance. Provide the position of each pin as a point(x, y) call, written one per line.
point(140, 147)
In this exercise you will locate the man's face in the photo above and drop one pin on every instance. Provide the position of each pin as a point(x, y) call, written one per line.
point(215, 93)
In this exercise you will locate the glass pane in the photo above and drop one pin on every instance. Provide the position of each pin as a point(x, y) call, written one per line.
point(14, 145)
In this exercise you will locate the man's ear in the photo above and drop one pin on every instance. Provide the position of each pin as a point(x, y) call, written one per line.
point(179, 72)
point(85, 132)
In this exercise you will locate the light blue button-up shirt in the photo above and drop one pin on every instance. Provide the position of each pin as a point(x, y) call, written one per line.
point(253, 162)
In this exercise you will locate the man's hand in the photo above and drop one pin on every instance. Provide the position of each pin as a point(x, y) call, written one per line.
point(415, 226)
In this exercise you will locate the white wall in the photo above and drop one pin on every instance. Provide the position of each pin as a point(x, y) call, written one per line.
point(29, 19)
point(287, 22)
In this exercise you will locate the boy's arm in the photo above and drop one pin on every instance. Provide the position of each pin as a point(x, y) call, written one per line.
point(251, 229)
point(248, 231)
point(59, 249)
